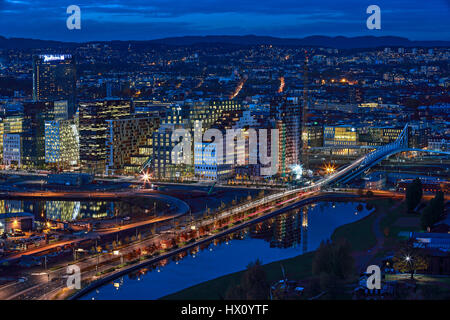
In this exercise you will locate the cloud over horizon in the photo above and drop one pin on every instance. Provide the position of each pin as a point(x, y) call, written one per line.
point(142, 20)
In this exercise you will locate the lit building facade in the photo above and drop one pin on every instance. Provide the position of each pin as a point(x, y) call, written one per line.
point(93, 131)
point(33, 132)
point(12, 149)
point(207, 162)
point(194, 116)
point(62, 143)
point(288, 112)
point(124, 137)
point(377, 136)
point(54, 78)
point(164, 165)
point(340, 136)
point(10, 124)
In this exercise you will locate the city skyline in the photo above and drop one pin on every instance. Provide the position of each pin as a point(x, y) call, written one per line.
point(224, 167)
point(119, 20)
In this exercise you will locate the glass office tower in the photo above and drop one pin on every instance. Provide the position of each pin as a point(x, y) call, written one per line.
point(54, 78)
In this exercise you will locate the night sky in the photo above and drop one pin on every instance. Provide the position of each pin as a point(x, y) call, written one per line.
point(152, 19)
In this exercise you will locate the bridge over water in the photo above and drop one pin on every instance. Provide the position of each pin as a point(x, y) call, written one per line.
point(353, 170)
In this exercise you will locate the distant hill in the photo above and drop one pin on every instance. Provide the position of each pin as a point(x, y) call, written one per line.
point(339, 42)
point(21, 43)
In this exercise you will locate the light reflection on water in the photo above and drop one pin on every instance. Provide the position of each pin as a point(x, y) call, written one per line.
point(281, 237)
point(58, 210)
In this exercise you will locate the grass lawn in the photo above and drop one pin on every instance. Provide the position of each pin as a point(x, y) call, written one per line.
point(296, 268)
point(393, 223)
point(358, 233)
point(429, 286)
point(421, 278)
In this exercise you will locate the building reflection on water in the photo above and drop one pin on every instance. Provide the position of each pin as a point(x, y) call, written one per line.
point(287, 230)
point(58, 210)
point(274, 239)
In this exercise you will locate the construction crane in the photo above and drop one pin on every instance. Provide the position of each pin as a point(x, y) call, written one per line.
point(304, 120)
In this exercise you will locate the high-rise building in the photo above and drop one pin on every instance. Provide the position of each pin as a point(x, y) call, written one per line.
point(33, 132)
point(192, 115)
point(124, 137)
point(62, 143)
point(11, 123)
point(54, 78)
point(164, 154)
point(93, 130)
point(61, 110)
point(288, 111)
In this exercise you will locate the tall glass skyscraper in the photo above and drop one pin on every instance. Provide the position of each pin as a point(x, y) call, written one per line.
point(54, 78)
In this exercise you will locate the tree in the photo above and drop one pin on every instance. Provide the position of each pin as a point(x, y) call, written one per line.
point(438, 206)
point(334, 259)
point(321, 261)
point(409, 258)
point(235, 293)
point(413, 194)
point(253, 285)
point(261, 194)
point(426, 219)
point(433, 212)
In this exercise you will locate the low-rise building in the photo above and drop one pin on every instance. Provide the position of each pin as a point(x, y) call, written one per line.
point(12, 149)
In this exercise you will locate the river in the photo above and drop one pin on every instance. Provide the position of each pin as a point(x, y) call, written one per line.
point(281, 237)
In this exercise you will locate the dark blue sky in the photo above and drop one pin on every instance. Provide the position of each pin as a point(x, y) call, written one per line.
point(150, 19)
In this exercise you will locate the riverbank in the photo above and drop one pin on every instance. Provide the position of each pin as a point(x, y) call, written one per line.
point(361, 234)
point(230, 229)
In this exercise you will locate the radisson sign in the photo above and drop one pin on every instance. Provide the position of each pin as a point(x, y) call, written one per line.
point(52, 57)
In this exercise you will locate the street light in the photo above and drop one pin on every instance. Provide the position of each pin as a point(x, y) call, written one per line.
point(117, 253)
point(145, 177)
point(329, 168)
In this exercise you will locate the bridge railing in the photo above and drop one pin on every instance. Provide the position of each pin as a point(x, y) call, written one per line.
point(399, 143)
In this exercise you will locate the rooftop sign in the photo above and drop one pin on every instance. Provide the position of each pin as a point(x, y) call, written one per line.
point(52, 57)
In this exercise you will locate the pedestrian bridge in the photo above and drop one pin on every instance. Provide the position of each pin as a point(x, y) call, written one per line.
point(371, 159)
